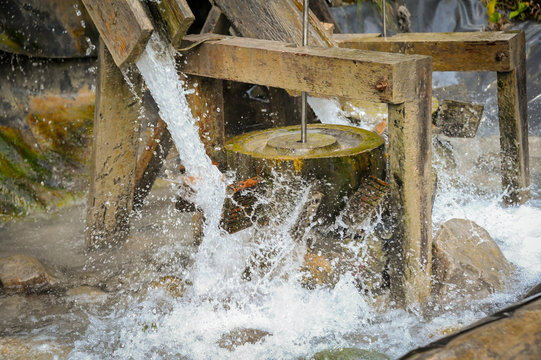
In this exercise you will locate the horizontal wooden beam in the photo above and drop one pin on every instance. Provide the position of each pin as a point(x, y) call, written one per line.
point(460, 51)
point(349, 73)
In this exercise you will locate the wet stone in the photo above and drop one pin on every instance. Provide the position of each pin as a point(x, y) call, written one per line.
point(23, 273)
point(86, 294)
point(241, 336)
point(467, 262)
point(349, 354)
point(19, 348)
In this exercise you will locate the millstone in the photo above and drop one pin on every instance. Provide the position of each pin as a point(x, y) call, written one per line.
point(335, 158)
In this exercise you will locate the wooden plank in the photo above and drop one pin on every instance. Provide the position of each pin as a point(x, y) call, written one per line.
point(349, 73)
point(279, 20)
point(471, 51)
point(114, 152)
point(175, 18)
point(216, 22)
point(410, 177)
point(123, 25)
point(513, 114)
point(207, 105)
point(323, 13)
point(150, 162)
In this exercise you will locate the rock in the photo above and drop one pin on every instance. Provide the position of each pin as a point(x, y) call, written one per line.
point(533, 291)
point(458, 119)
point(174, 286)
point(19, 348)
point(349, 354)
point(23, 273)
point(241, 336)
point(467, 262)
point(86, 294)
point(512, 333)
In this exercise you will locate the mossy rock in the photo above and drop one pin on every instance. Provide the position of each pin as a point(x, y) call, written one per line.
point(349, 354)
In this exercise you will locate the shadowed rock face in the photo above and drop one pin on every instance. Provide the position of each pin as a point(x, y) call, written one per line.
point(467, 262)
point(46, 28)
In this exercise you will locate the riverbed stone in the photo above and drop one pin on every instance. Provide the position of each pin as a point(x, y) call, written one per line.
point(22, 348)
point(349, 354)
point(86, 294)
point(241, 336)
point(23, 273)
point(467, 262)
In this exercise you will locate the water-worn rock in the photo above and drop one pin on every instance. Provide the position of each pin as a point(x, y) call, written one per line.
point(349, 354)
point(241, 336)
point(23, 273)
point(467, 263)
point(86, 294)
point(512, 333)
point(18, 348)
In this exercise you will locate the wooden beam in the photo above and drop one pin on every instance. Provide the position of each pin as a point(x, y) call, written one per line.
point(279, 20)
point(513, 114)
point(174, 16)
point(151, 161)
point(410, 176)
point(123, 25)
point(112, 177)
point(459, 51)
point(349, 73)
point(216, 22)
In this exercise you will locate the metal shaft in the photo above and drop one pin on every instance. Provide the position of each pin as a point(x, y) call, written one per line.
point(383, 8)
point(304, 104)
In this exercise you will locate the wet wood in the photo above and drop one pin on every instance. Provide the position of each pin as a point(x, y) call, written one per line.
point(513, 114)
point(207, 105)
point(349, 73)
point(471, 51)
point(112, 176)
point(123, 25)
point(216, 22)
point(151, 161)
point(279, 20)
point(174, 16)
point(321, 10)
point(410, 177)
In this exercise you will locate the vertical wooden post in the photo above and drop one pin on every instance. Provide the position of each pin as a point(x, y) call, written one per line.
point(116, 131)
point(410, 175)
point(207, 104)
point(513, 114)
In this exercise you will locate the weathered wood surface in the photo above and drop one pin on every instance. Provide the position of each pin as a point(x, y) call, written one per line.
point(349, 73)
point(279, 20)
point(123, 25)
point(207, 105)
point(114, 152)
point(323, 13)
point(410, 176)
point(513, 114)
point(469, 51)
point(216, 22)
point(150, 162)
point(175, 17)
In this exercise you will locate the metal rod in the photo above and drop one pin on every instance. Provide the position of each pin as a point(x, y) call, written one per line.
point(384, 19)
point(305, 7)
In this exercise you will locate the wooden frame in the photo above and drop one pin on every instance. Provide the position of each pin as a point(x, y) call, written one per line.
point(503, 52)
point(404, 82)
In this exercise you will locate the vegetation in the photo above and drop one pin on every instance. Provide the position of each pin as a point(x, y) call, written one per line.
point(502, 12)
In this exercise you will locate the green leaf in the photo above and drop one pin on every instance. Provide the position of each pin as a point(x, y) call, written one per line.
point(495, 17)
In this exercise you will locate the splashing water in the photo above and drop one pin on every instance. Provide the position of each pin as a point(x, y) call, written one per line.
point(295, 321)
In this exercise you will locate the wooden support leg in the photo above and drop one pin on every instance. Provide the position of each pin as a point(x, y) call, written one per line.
point(207, 104)
point(410, 153)
point(116, 131)
point(513, 114)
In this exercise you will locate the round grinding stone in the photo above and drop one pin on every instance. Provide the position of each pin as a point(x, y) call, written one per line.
point(290, 144)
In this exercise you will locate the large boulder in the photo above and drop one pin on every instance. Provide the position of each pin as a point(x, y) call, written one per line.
point(23, 273)
point(467, 262)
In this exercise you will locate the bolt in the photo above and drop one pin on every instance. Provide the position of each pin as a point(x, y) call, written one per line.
point(500, 56)
point(381, 86)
